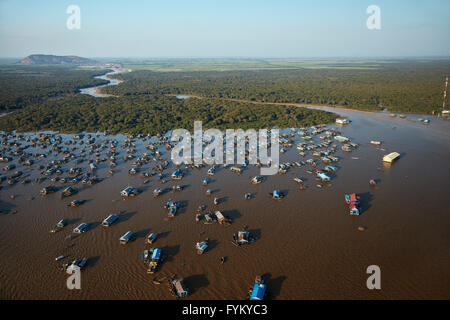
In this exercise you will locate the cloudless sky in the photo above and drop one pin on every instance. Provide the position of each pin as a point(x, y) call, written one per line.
point(225, 28)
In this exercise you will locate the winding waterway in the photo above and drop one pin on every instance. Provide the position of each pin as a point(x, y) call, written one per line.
point(95, 92)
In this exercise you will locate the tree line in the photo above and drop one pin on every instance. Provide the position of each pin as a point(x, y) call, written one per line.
point(402, 86)
point(152, 114)
point(21, 86)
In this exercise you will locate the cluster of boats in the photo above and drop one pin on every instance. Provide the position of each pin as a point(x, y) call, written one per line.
point(152, 258)
point(209, 218)
point(97, 153)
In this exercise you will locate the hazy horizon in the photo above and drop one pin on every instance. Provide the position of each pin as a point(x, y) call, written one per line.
point(241, 58)
point(234, 29)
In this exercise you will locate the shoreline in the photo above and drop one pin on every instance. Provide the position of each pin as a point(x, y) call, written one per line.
point(107, 76)
point(315, 106)
point(280, 103)
point(318, 107)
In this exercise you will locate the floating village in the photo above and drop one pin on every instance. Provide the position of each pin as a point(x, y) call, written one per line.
point(63, 165)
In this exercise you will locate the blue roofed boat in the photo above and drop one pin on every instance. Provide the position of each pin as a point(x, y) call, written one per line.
point(127, 237)
point(258, 292)
point(276, 194)
point(156, 254)
point(110, 220)
point(330, 168)
point(259, 289)
point(322, 176)
point(177, 175)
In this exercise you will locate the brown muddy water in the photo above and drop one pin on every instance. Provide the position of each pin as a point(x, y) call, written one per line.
point(309, 247)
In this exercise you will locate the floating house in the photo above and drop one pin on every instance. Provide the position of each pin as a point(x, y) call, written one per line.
point(342, 121)
point(353, 201)
point(179, 288)
point(151, 238)
point(221, 218)
point(128, 192)
point(81, 228)
point(391, 157)
point(47, 190)
point(242, 238)
point(62, 223)
point(201, 246)
point(153, 264)
point(276, 194)
point(127, 237)
point(110, 220)
point(330, 169)
point(177, 175)
point(322, 176)
point(341, 139)
point(259, 289)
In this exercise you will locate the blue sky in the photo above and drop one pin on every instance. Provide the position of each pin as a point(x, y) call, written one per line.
point(227, 28)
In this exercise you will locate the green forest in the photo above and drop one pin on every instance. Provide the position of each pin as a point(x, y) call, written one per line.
point(398, 85)
point(46, 97)
point(24, 85)
point(152, 114)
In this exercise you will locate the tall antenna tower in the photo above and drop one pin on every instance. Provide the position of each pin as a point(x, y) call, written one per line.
point(445, 112)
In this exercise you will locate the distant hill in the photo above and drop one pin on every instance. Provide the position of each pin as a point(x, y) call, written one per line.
point(51, 59)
